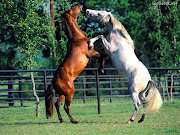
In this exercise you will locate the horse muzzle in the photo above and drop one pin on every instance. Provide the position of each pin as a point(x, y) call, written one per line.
point(88, 12)
point(91, 13)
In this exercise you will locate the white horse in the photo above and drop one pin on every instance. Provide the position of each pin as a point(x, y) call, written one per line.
point(120, 47)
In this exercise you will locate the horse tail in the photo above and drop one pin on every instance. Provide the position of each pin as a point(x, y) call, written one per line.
point(153, 101)
point(49, 101)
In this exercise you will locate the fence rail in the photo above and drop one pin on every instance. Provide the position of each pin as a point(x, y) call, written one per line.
point(16, 85)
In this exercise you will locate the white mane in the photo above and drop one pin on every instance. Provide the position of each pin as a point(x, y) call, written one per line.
point(118, 26)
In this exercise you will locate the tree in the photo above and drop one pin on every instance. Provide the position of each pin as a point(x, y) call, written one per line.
point(161, 33)
point(30, 28)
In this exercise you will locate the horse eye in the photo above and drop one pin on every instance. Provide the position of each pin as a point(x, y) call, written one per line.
point(99, 14)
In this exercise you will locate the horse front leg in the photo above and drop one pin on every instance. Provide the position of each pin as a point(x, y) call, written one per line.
point(108, 47)
point(91, 52)
point(91, 42)
point(102, 57)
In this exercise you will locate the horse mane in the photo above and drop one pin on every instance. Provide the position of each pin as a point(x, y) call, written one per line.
point(118, 26)
point(67, 26)
point(64, 25)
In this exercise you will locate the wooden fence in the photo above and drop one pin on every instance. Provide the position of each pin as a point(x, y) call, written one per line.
point(16, 85)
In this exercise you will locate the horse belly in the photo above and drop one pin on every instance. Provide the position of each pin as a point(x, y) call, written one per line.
point(123, 63)
point(79, 65)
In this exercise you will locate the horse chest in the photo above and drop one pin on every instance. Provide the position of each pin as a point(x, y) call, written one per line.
point(118, 62)
point(124, 61)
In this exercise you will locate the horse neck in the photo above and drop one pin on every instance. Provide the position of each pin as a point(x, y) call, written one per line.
point(115, 31)
point(109, 27)
point(77, 32)
point(74, 31)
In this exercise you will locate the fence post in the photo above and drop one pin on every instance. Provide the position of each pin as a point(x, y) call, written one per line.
point(98, 95)
point(45, 81)
point(20, 93)
point(119, 85)
point(171, 86)
point(110, 85)
point(84, 91)
point(10, 94)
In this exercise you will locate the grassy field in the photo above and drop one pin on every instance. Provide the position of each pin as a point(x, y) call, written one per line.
point(112, 120)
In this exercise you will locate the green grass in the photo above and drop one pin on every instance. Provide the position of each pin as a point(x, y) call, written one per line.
point(74, 101)
point(112, 120)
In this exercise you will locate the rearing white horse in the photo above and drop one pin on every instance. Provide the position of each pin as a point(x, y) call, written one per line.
point(120, 47)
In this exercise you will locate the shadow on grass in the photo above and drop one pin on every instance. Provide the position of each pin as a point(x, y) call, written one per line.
point(68, 122)
point(26, 123)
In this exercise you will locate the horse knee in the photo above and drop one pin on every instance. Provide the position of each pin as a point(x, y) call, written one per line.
point(66, 107)
point(57, 104)
point(139, 103)
point(136, 100)
point(137, 107)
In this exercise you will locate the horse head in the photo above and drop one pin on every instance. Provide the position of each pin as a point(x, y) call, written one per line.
point(99, 16)
point(69, 19)
point(111, 23)
point(73, 12)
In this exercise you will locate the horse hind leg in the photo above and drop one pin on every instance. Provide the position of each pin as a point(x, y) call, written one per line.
point(101, 63)
point(142, 98)
point(57, 105)
point(135, 98)
point(68, 100)
point(142, 118)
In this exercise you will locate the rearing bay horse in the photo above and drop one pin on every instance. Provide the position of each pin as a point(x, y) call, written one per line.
point(76, 59)
point(120, 48)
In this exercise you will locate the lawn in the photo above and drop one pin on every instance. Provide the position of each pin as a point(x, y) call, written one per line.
point(112, 120)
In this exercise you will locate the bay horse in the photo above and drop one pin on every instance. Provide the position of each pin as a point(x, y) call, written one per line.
point(76, 59)
point(120, 48)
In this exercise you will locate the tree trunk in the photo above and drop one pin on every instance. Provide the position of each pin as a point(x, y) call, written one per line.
point(162, 90)
point(36, 96)
point(54, 42)
point(167, 88)
point(171, 86)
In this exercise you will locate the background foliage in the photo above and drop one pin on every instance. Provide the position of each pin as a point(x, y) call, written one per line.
point(27, 39)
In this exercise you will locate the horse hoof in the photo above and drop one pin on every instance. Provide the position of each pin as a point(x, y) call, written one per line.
point(61, 121)
point(75, 122)
point(140, 121)
point(129, 122)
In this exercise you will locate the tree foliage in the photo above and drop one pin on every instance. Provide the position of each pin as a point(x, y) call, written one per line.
point(26, 30)
point(153, 25)
point(161, 32)
point(28, 27)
